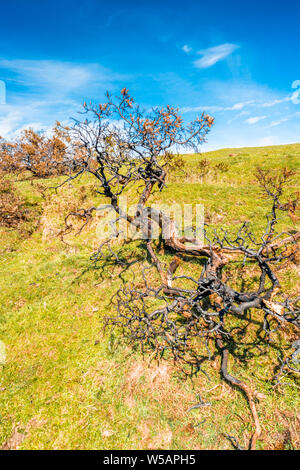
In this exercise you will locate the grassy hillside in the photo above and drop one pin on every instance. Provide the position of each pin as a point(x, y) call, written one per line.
point(66, 384)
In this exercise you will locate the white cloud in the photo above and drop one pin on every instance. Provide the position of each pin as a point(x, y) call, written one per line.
point(8, 122)
point(195, 109)
point(268, 104)
point(240, 106)
point(212, 55)
point(186, 49)
point(212, 108)
point(254, 120)
point(267, 141)
point(27, 112)
point(46, 90)
point(277, 123)
point(36, 126)
point(58, 77)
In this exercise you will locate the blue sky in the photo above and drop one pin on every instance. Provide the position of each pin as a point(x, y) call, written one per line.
point(238, 61)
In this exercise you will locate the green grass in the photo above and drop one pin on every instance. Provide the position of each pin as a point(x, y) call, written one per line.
point(66, 384)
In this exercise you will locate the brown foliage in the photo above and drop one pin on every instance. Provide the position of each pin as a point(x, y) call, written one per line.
point(43, 156)
point(12, 206)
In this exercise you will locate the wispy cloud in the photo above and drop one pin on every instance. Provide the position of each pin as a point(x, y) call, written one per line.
point(235, 107)
point(250, 104)
point(46, 90)
point(56, 76)
point(255, 119)
point(277, 123)
point(186, 49)
point(281, 120)
point(269, 104)
point(240, 106)
point(212, 55)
